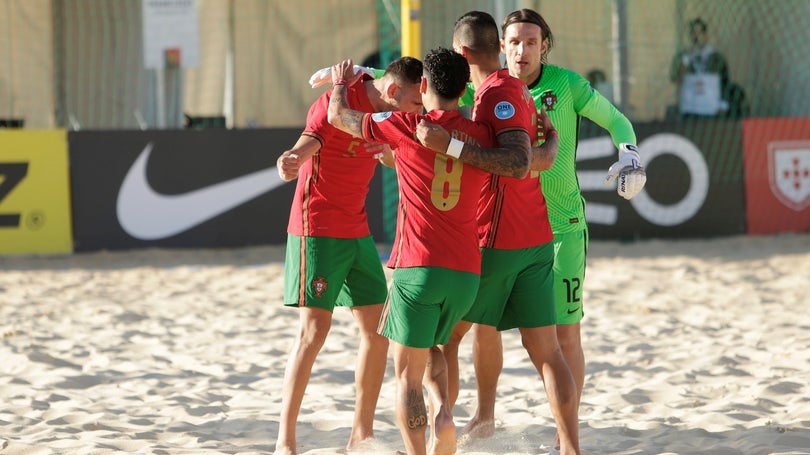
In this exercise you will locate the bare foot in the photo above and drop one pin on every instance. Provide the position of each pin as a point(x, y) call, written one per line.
point(284, 450)
point(479, 429)
point(442, 434)
point(368, 444)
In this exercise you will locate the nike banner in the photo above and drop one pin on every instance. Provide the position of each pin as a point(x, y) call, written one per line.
point(184, 188)
point(694, 181)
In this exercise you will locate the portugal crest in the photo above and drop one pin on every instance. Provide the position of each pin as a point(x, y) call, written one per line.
point(789, 173)
point(319, 285)
point(549, 99)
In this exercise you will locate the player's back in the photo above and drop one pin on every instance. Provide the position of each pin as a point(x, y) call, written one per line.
point(512, 212)
point(436, 221)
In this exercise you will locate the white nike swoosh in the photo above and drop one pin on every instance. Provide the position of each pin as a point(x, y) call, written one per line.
point(148, 215)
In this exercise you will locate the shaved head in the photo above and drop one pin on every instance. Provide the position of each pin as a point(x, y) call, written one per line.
point(478, 32)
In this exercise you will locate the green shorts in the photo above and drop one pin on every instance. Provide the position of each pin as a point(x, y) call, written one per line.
point(325, 272)
point(569, 275)
point(517, 288)
point(425, 304)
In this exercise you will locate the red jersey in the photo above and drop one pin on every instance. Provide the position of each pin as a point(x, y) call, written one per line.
point(438, 195)
point(512, 212)
point(330, 195)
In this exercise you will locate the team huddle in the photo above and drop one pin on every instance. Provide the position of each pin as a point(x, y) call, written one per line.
point(491, 232)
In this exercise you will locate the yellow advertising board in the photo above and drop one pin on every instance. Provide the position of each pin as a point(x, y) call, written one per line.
point(34, 192)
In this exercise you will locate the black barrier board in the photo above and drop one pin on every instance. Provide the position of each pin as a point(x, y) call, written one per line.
point(184, 189)
point(694, 184)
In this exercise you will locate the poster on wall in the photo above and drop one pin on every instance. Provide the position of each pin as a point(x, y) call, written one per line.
point(777, 174)
point(171, 34)
point(34, 193)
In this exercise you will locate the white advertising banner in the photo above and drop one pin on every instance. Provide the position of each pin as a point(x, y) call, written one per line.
point(700, 94)
point(171, 34)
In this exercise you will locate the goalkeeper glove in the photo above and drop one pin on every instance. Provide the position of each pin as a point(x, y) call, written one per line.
point(324, 75)
point(628, 171)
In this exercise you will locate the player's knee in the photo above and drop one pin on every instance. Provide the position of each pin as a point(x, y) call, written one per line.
point(313, 336)
point(568, 337)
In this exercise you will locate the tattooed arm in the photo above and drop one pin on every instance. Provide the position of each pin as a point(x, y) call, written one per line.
point(340, 115)
point(510, 159)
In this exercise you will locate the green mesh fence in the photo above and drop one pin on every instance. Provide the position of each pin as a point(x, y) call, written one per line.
point(389, 32)
point(79, 64)
point(83, 59)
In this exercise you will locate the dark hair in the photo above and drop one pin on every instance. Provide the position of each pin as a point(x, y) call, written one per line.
point(447, 72)
point(532, 17)
point(405, 70)
point(478, 32)
point(699, 23)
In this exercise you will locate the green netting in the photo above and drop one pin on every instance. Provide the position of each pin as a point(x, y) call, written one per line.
point(389, 33)
point(79, 63)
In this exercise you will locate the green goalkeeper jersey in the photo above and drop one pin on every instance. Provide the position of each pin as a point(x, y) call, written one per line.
point(567, 97)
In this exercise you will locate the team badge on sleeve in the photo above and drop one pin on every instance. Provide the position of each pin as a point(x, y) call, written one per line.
point(380, 116)
point(504, 110)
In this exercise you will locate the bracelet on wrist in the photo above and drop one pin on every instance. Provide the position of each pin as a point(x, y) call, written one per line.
point(341, 81)
point(454, 149)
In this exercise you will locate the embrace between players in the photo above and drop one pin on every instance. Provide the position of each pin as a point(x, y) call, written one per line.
point(479, 242)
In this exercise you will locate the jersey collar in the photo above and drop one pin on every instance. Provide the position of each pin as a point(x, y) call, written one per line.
point(539, 76)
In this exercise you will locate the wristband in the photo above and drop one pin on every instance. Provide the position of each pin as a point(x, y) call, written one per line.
point(454, 149)
point(341, 81)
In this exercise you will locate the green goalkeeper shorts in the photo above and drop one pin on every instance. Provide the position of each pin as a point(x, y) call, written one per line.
point(569, 275)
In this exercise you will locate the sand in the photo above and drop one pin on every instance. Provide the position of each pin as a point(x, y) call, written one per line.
point(693, 346)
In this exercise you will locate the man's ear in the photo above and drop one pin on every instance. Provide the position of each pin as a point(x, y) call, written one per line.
point(464, 50)
point(423, 85)
point(543, 47)
point(392, 90)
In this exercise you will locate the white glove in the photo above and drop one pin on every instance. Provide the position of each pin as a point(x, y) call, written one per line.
point(324, 75)
point(628, 171)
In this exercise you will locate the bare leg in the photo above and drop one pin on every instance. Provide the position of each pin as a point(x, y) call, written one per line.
point(561, 390)
point(450, 352)
point(314, 325)
point(488, 363)
point(369, 373)
point(571, 345)
point(443, 429)
point(412, 416)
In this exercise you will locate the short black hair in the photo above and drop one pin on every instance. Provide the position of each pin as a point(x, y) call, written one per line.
point(405, 70)
point(447, 72)
point(478, 32)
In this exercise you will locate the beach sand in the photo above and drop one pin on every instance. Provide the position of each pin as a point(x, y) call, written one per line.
point(692, 346)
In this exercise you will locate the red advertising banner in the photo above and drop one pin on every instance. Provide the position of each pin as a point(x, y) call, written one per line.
point(777, 174)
